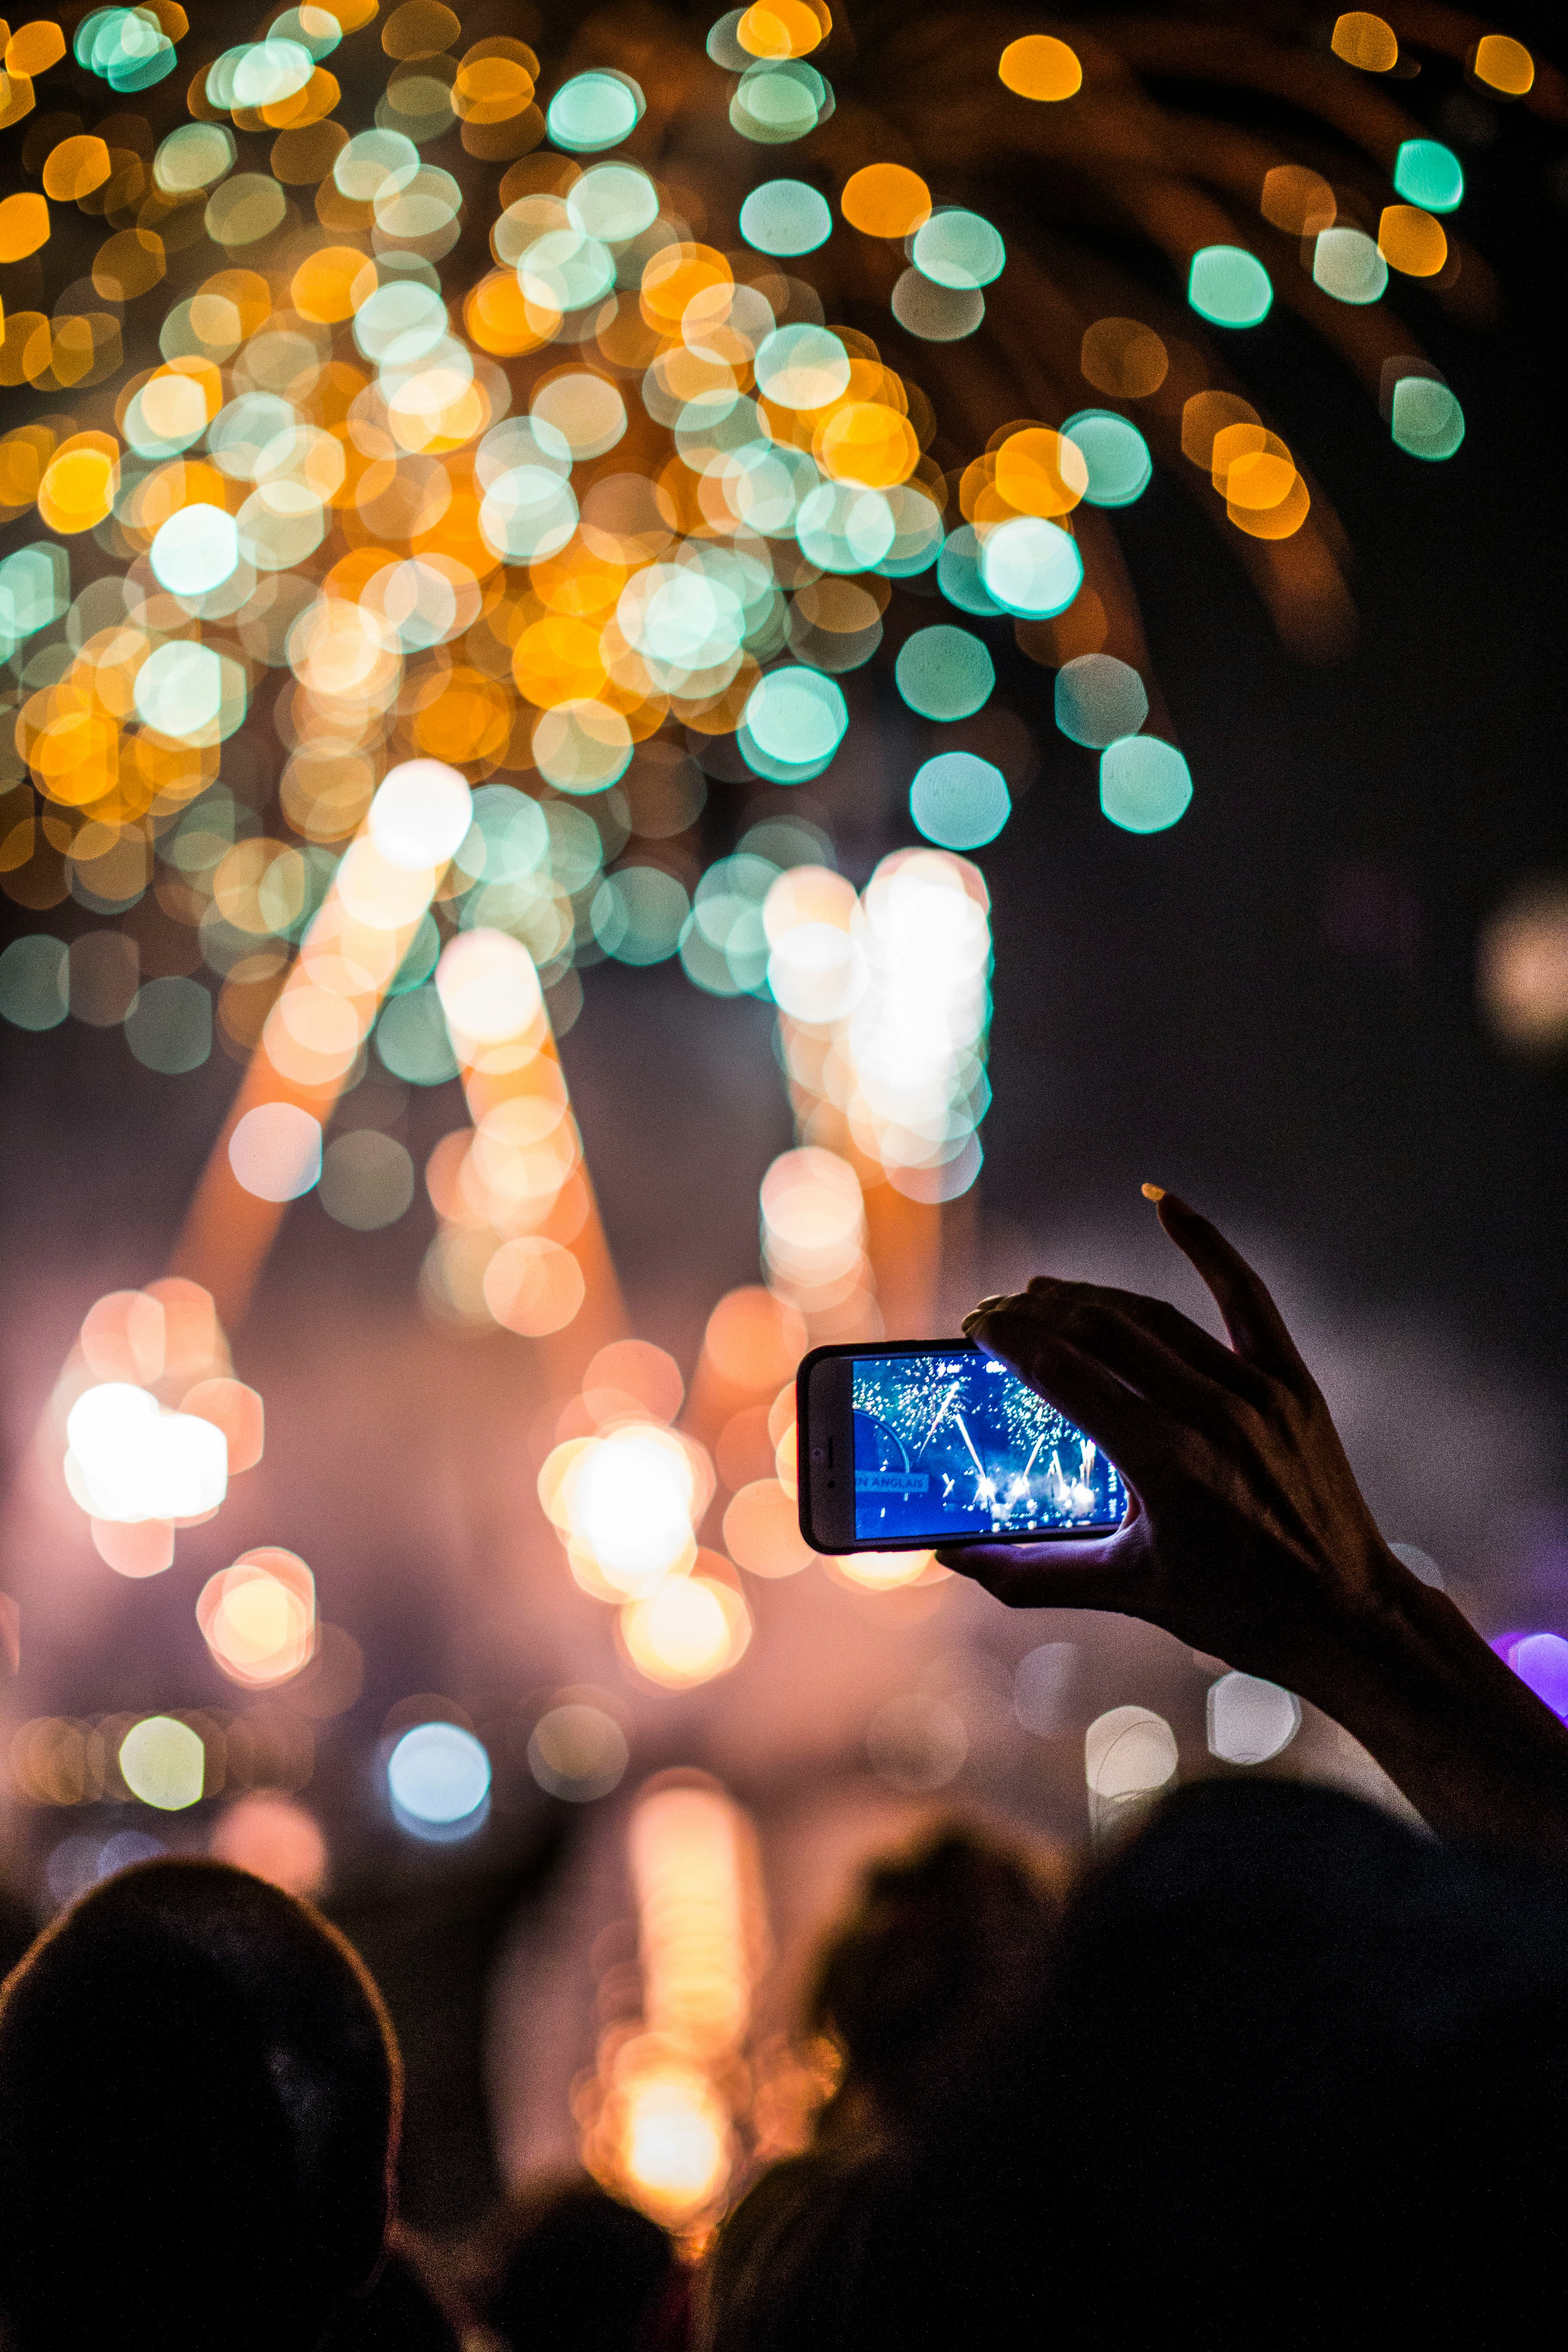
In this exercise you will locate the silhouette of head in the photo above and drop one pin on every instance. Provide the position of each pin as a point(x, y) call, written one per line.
point(563, 2263)
point(199, 2101)
point(926, 1973)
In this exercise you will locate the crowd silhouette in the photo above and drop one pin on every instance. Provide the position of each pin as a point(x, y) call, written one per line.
point(1272, 2067)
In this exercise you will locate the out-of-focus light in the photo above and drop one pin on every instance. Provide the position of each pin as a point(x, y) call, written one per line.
point(802, 366)
point(632, 1372)
point(1426, 172)
point(1521, 967)
point(489, 987)
point(959, 800)
point(958, 250)
point(691, 1629)
point(638, 914)
point(533, 1286)
point(1099, 698)
point(593, 111)
point(814, 1225)
point(35, 990)
point(761, 1531)
point(367, 1179)
point(1420, 1563)
point(1042, 1685)
point(164, 1762)
point(169, 1026)
point(1144, 784)
point(656, 2124)
point(883, 1571)
point(258, 1617)
point(438, 1777)
point(129, 1459)
point(1031, 567)
point(1250, 1720)
point(885, 200)
point(1540, 1659)
point(195, 550)
point(1503, 64)
point(276, 1151)
point(194, 156)
point(786, 217)
point(753, 1340)
point(917, 1743)
point(614, 202)
point(275, 1839)
point(1347, 264)
point(1115, 453)
point(1409, 239)
point(420, 814)
point(1364, 40)
point(628, 1500)
point(1230, 287)
point(780, 28)
point(945, 673)
point(1040, 67)
point(675, 2142)
point(816, 972)
point(797, 716)
point(1424, 418)
point(79, 1862)
point(578, 1752)
point(1297, 200)
point(1128, 1753)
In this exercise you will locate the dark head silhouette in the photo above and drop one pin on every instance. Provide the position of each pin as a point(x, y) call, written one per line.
point(565, 2264)
point(199, 2103)
point(926, 1975)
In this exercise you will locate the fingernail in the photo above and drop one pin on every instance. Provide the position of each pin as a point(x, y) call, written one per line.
point(1154, 1191)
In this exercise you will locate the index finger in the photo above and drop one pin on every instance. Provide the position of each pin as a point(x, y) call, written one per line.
point(1258, 1330)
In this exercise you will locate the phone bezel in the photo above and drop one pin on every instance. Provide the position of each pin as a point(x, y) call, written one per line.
point(813, 1485)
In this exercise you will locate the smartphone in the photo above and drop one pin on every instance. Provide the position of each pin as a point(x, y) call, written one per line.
point(934, 1442)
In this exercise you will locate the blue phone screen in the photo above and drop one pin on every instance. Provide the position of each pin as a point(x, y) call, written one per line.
point(957, 1444)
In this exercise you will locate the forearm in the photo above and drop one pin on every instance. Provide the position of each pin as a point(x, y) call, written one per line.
point(1477, 1753)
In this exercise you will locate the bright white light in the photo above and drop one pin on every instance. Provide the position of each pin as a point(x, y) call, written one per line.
point(131, 1460)
point(817, 972)
point(276, 1151)
point(677, 2138)
point(488, 986)
point(420, 814)
point(439, 1778)
point(164, 1762)
point(630, 1498)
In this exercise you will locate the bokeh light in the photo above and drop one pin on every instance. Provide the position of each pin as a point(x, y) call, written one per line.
point(1249, 1720)
point(276, 1151)
point(274, 1838)
point(1144, 784)
point(1230, 287)
point(959, 800)
point(258, 1617)
point(1099, 699)
point(438, 1779)
point(164, 1762)
point(577, 1751)
point(945, 673)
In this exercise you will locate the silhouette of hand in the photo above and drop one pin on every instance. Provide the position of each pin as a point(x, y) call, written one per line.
point(1248, 1536)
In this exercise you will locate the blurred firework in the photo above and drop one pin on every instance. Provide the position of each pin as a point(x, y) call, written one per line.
point(462, 474)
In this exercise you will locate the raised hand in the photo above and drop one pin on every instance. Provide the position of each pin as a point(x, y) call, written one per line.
point(1249, 1538)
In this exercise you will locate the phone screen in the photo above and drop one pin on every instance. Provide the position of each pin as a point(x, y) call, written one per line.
point(956, 1444)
